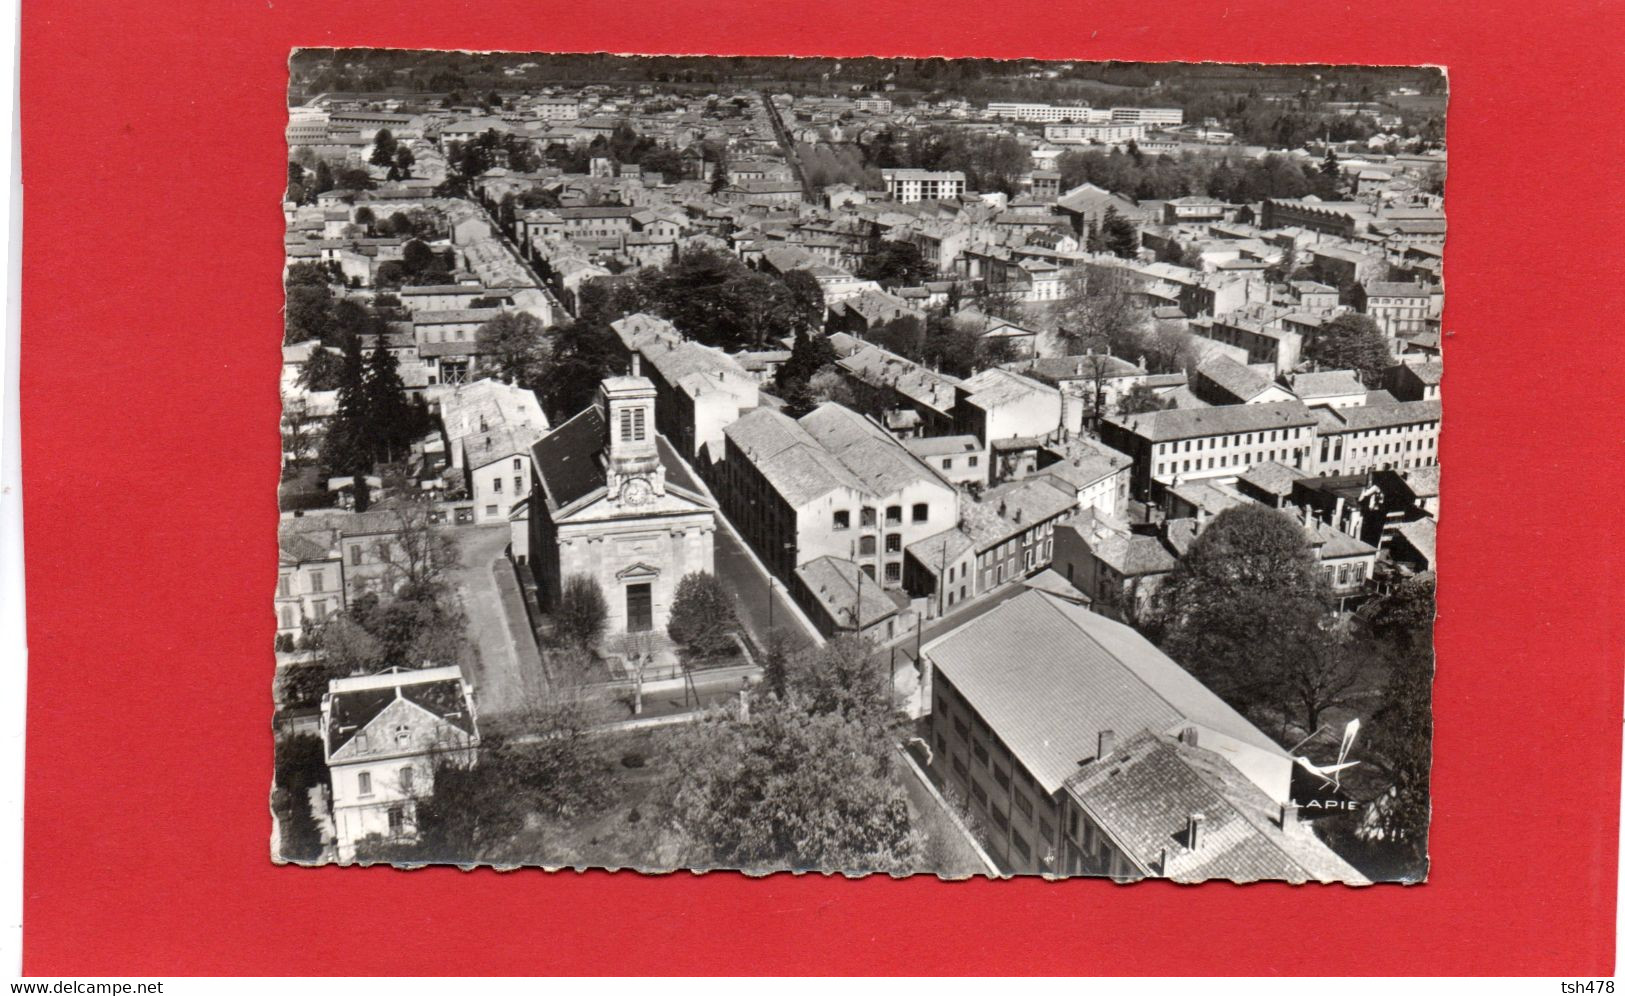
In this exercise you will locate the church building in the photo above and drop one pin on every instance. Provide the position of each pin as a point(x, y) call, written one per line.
point(611, 500)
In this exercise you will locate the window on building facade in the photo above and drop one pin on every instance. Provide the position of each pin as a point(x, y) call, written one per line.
point(894, 573)
point(1023, 805)
point(363, 783)
point(287, 617)
point(490, 510)
point(843, 519)
point(1020, 845)
point(894, 543)
point(407, 776)
point(284, 585)
point(922, 511)
point(517, 465)
point(866, 546)
point(971, 461)
point(355, 555)
point(397, 820)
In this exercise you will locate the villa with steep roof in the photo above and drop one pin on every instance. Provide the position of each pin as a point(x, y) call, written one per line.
point(383, 736)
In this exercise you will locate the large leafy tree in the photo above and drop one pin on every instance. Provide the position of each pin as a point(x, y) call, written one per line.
point(1402, 728)
point(1244, 608)
point(584, 353)
point(790, 788)
point(702, 617)
point(808, 298)
point(581, 613)
point(1351, 342)
point(514, 348)
point(894, 264)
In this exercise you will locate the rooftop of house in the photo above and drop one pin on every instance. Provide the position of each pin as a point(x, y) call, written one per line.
point(1129, 554)
point(1271, 477)
point(1429, 374)
point(1050, 676)
point(455, 316)
point(868, 451)
point(997, 387)
point(488, 405)
point(1192, 423)
point(352, 703)
point(881, 367)
point(940, 550)
point(1423, 536)
point(1064, 368)
point(1395, 288)
point(789, 457)
point(1324, 384)
point(1237, 380)
point(694, 367)
point(837, 586)
point(936, 446)
point(1011, 509)
point(1145, 791)
point(1365, 418)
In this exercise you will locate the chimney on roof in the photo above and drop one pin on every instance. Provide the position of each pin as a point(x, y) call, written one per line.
point(1193, 831)
point(1289, 817)
point(1108, 740)
point(1188, 736)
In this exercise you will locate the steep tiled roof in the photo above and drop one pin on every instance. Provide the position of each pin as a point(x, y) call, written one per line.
point(1013, 508)
point(835, 583)
point(1235, 379)
point(1144, 793)
point(354, 702)
point(566, 459)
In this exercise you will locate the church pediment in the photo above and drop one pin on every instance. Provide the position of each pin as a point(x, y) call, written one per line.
point(634, 572)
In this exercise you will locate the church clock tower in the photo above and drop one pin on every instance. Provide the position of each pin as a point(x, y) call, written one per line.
point(634, 474)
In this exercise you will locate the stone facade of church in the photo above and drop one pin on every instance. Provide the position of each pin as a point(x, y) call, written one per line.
point(611, 500)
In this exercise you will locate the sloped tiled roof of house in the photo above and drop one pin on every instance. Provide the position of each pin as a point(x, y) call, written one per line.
point(1324, 384)
point(352, 703)
point(787, 455)
point(995, 387)
point(1364, 418)
point(1145, 791)
point(868, 451)
point(1235, 379)
point(1014, 508)
point(1271, 477)
point(835, 583)
point(1190, 423)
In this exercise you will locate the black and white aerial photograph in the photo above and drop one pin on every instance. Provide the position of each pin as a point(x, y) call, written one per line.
point(963, 468)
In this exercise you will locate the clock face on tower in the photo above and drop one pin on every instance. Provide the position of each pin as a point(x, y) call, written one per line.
point(636, 491)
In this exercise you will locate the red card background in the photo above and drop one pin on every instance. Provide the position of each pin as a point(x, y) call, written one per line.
point(153, 166)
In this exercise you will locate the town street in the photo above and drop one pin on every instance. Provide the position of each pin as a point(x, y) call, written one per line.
point(501, 683)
